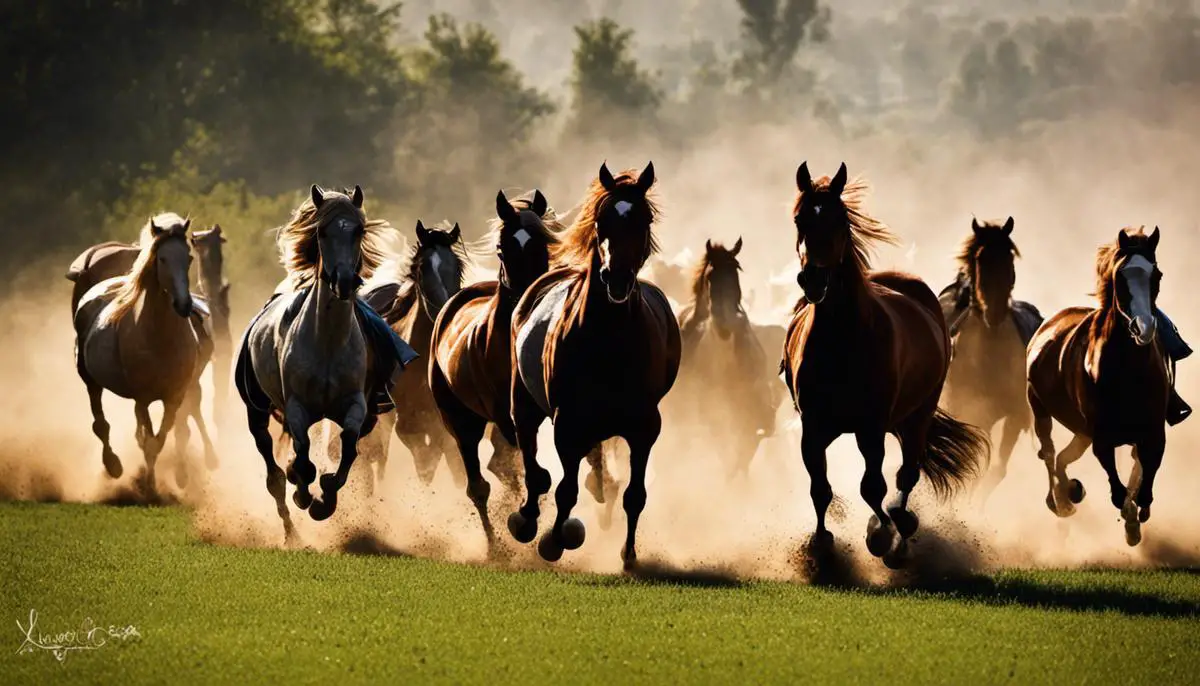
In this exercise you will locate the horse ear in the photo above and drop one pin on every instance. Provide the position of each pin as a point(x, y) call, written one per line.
point(455, 233)
point(737, 247)
point(838, 184)
point(975, 227)
point(539, 205)
point(803, 178)
point(317, 196)
point(1008, 226)
point(1154, 239)
point(187, 223)
point(1123, 242)
point(646, 178)
point(606, 177)
point(504, 209)
point(422, 232)
point(155, 229)
point(357, 197)
point(708, 245)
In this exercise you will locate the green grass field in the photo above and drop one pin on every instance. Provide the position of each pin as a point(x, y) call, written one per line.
point(208, 614)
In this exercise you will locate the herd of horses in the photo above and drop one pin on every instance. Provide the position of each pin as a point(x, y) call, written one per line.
point(567, 331)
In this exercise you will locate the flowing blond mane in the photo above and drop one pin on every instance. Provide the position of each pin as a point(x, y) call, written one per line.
point(297, 240)
point(577, 243)
point(173, 227)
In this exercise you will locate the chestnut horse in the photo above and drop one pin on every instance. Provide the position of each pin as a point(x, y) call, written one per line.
point(596, 349)
point(1101, 372)
point(989, 332)
point(867, 353)
point(725, 382)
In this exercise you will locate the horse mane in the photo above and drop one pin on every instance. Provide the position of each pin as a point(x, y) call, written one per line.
point(138, 281)
point(984, 235)
point(865, 230)
point(297, 240)
point(458, 247)
point(577, 243)
point(550, 230)
point(1106, 264)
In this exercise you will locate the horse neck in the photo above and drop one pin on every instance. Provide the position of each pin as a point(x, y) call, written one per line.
point(595, 302)
point(1114, 339)
point(849, 300)
point(326, 319)
point(157, 318)
point(210, 277)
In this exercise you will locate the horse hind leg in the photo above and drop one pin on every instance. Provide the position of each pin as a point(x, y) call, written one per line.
point(640, 442)
point(1066, 492)
point(259, 424)
point(194, 403)
point(100, 426)
point(467, 429)
point(995, 476)
point(527, 418)
point(1043, 429)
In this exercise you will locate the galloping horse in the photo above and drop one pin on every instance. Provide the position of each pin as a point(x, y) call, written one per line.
point(143, 336)
point(318, 352)
point(437, 265)
point(470, 367)
point(597, 350)
point(725, 382)
point(99, 263)
point(867, 353)
point(989, 332)
point(1102, 373)
point(209, 246)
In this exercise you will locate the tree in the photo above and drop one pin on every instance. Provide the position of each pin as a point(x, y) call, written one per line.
point(772, 32)
point(609, 90)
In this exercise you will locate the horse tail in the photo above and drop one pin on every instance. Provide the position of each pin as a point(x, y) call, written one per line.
point(953, 453)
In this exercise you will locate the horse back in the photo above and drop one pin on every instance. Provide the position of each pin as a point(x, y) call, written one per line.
point(99, 263)
point(1056, 368)
point(474, 360)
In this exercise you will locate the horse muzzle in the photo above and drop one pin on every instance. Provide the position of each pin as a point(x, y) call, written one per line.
point(1143, 330)
point(183, 306)
point(618, 287)
point(343, 283)
point(815, 283)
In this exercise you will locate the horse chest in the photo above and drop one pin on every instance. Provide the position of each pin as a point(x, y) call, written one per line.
point(988, 366)
point(833, 371)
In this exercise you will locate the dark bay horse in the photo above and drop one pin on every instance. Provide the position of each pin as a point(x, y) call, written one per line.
point(470, 365)
point(1102, 374)
point(437, 264)
point(99, 263)
point(989, 332)
point(209, 246)
point(595, 349)
point(725, 383)
point(867, 353)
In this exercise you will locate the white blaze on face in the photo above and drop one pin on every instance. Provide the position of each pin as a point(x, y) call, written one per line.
point(604, 253)
point(435, 260)
point(622, 207)
point(522, 237)
point(1137, 272)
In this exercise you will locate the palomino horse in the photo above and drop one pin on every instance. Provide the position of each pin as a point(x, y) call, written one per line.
point(597, 350)
point(318, 352)
point(209, 246)
point(989, 331)
point(725, 383)
point(867, 353)
point(436, 267)
point(143, 336)
point(1102, 374)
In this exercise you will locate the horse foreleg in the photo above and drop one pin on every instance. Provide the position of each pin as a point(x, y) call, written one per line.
point(100, 427)
point(356, 414)
point(385, 428)
point(1106, 453)
point(881, 534)
point(1043, 429)
point(211, 462)
point(300, 470)
point(259, 423)
point(467, 429)
point(813, 444)
point(527, 418)
point(144, 432)
point(1147, 458)
point(566, 532)
point(640, 442)
point(1066, 492)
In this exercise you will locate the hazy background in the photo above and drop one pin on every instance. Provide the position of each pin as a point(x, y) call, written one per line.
point(1076, 117)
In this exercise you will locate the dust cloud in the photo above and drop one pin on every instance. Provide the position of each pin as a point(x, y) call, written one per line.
point(1070, 186)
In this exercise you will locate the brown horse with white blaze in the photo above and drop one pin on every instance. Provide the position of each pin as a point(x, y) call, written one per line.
point(1102, 374)
point(596, 349)
point(867, 353)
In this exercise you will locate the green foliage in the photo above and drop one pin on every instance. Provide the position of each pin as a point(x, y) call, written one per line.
point(610, 92)
point(772, 33)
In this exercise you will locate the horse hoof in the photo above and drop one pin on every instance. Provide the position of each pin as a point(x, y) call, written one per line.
point(112, 465)
point(628, 558)
point(897, 558)
point(181, 474)
point(1133, 533)
point(302, 498)
point(572, 534)
point(323, 509)
point(906, 521)
point(1077, 492)
point(1119, 496)
point(549, 548)
point(879, 538)
point(1144, 514)
point(301, 472)
point(521, 528)
point(821, 542)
